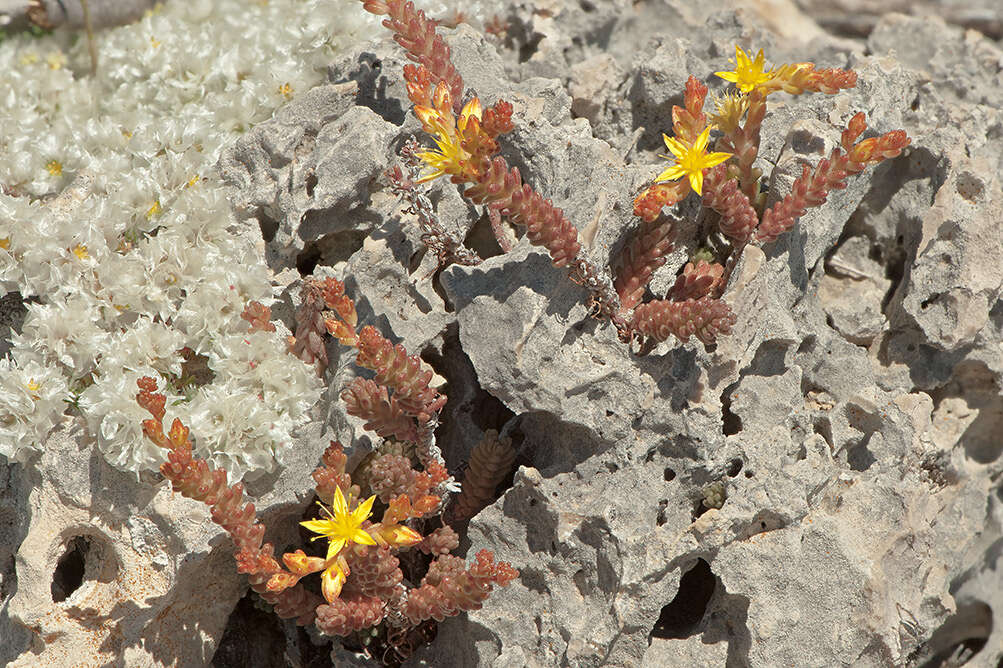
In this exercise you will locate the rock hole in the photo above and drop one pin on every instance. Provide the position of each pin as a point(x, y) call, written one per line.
point(660, 518)
point(711, 496)
point(254, 636)
point(310, 183)
point(734, 467)
point(681, 617)
point(669, 475)
point(527, 50)
point(822, 427)
point(969, 186)
point(859, 457)
point(269, 226)
point(960, 638)
point(481, 238)
point(308, 260)
point(749, 474)
point(730, 423)
point(972, 404)
point(69, 573)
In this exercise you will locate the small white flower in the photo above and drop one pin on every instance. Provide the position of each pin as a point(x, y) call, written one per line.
point(31, 404)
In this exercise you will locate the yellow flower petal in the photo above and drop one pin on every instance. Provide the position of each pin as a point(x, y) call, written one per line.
point(700, 145)
point(696, 181)
point(316, 526)
point(715, 159)
point(341, 526)
point(673, 173)
point(339, 506)
point(674, 145)
point(334, 547)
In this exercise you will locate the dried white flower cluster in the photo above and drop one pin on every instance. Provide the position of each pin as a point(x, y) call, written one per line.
point(116, 231)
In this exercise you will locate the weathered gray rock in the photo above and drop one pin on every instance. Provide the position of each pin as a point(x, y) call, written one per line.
point(110, 569)
point(303, 174)
point(852, 291)
point(860, 17)
point(835, 475)
point(820, 488)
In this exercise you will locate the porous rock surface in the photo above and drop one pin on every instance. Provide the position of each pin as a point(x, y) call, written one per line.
point(821, 488)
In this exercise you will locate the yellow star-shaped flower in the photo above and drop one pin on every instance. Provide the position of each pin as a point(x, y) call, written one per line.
point(748, 73)
point(342, 526)
point(690, 160)
point(450, 134)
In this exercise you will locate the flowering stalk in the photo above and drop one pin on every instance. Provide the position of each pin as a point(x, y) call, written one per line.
point(194, 478)
point(812, 187)
point(705, 318)
point(645, 253)
point(370, 572)
point(416, 33)
point(688, 148)
point(742, 139)
point(722, 194)
point(450, 587)
point(800, 78)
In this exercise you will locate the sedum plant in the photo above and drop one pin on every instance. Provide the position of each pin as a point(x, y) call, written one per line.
point(363, 589)
point(467, 143)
